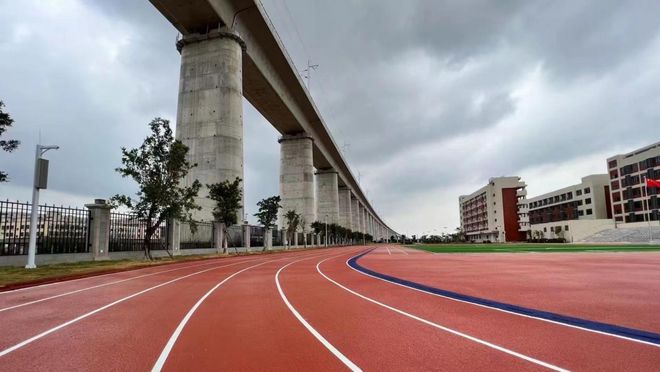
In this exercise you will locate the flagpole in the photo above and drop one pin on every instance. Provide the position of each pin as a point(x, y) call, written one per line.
point(648, 207)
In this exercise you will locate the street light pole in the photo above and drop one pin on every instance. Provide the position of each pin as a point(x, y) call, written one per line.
point(40, 180)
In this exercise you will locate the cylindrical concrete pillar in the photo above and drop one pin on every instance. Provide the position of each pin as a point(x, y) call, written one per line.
point(327, 193)
point(345, 215)
point(297, 178)
point(210, 110)
point(355, 220)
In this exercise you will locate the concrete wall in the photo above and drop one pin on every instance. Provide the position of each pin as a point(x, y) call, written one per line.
point(577, 229)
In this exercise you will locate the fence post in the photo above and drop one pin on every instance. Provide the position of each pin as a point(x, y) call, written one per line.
point(218, 236)
point(246, 236)
point(99, 229)
point(174, 236)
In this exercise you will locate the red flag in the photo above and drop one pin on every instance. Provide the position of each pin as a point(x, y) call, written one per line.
point(652, 183)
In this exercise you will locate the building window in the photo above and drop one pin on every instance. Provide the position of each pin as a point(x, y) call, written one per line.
point(587, 190)
point(580, 213)
point(566, 227)
point(545, 229)
point(578, 192)
point(587, 201)
point(611, 164)
point(589, 212)
point(579, 202)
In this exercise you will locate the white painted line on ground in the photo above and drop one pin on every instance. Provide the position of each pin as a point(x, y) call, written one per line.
point(509, 312)
point(388, 251)
point(104, 285)
point(160, 362)
point(81, 317)
point(352, 366)
point(438, 326)
point(402, 250)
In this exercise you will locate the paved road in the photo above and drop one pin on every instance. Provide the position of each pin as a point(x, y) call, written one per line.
point(305, 310)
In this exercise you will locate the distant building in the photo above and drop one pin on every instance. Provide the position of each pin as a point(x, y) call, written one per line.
point(496, 212)
point(590, 199)
point(555, 214)
point(628, 173)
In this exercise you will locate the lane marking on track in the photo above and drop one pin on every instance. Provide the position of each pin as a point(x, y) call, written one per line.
point(558, 319)
point(352, 366)
point(441, 327)
point(86, 315)
point(104, 285)
point(403, 250)
point(160, 362)
point(388, 251)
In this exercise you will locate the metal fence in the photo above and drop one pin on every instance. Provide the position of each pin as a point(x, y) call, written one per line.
point(127, 233)
point(201, 237)
point(59, 229)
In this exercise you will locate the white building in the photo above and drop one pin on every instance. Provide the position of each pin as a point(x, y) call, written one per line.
point(628, 174)
point(496, 212)
point(572, 212)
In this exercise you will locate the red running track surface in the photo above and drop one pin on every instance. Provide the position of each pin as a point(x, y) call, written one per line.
point(230, 315)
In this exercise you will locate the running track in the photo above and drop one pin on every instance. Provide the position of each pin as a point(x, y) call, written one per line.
point(310, 310)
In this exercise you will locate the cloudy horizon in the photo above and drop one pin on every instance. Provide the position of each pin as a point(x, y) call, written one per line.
point(426, 101)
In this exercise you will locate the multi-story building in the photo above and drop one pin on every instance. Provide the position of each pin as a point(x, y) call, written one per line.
point(628, 173)
point(496, 212)
point(555, 214)
point(590, 199)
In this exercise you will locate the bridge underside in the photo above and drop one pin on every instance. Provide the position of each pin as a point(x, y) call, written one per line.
point(270, 82)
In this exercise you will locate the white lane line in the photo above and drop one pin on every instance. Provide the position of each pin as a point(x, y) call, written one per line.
point(81, 317)
point(104, 285)
point(388, 251)
point(352, 366)
point(160, 362)
point(438, 326)
point(79, 279)
point(507, 311)
point(403, 250)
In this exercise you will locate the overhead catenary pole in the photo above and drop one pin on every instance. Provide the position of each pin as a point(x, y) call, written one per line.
point(40, 177)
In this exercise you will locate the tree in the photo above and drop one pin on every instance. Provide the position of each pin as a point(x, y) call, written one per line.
point(319, 229)
point(267, 216)
point(158, 166)
point(227, 196)
point(292, 221)
point(6, 122)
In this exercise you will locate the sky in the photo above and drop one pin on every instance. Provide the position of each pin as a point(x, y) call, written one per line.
point(426, 100)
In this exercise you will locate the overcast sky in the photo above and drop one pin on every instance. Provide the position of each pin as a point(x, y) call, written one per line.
point(428, 100)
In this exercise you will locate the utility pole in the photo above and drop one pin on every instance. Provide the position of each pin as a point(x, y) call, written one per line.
point(40, 182)
point(308, 72)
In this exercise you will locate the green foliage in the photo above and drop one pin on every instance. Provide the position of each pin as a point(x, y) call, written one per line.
point(227, 196)
point(158, 166)
point(6, 145)
point(292, 222)
point(268, 209)
point(318, 227)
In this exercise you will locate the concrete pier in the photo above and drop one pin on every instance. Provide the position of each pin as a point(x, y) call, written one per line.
point(345, 215)
point(210, 110)
point(297, 178)
point(355, 220)
point(327, 192)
